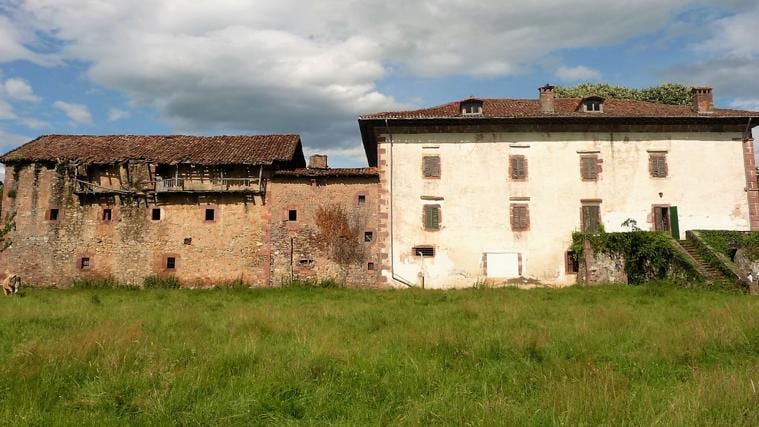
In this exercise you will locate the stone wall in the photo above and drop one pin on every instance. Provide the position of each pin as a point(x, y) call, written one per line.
point(600, 268)
point(131, 245)
point(297, 249)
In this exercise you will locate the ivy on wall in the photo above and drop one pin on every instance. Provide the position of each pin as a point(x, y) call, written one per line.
point(648, 255)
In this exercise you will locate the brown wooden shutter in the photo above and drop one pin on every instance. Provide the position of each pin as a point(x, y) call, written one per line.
point(658, 165)
point(590, 218)
point(518, 167)
point(431, 166)
point(520, 218)
point(589, 167)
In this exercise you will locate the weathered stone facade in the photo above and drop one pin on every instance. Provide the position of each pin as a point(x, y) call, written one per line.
point(299, 247)
point(131, 245)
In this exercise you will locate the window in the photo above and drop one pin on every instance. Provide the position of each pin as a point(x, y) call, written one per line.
point(210, 214)
point(171, 263)
point(592, 106)
point(107, 214)
point(591, 218)
point(518, 167)
point(361, 200)
point(187, 240)
point(471, 107)
point(431, 166)
point(424, 251)
point(155, 214)
point(84, 263)
point(53, 214)
point(368, 236)
point(370, 266)
point(589, 168)
point(431, 217)
point(657, 165)
point(292, 215)
point(520, 217)
point(572, 262)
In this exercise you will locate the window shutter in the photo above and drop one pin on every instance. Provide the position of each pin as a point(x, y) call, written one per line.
point(518, 167)
point(431, 166)
point(588, 168)
point(658, 166)
point(520, 218)
point(431, 217)
point(590, 219)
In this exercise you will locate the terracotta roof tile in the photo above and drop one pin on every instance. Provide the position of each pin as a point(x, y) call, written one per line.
point(167, 149)
point(564, 107)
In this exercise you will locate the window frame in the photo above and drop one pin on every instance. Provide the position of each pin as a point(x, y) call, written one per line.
point(54, 210)
point(570, 262)
point(151, 214)
point(415, 251)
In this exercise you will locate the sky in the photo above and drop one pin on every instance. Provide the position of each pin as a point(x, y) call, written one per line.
point(252, 67)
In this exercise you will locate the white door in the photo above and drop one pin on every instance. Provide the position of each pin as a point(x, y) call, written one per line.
point(503, 265)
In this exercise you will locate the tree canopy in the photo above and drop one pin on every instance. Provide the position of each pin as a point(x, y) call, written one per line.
point(668, 93)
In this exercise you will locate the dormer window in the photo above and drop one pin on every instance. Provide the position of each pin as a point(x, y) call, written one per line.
point(471, 107)
point(593, 105)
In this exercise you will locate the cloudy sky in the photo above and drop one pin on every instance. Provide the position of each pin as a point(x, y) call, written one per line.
point(249, 66)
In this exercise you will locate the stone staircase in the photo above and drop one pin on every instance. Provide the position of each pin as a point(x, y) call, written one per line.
point(710, 273)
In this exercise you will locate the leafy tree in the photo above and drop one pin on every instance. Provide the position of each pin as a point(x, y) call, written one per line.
point(668, 93)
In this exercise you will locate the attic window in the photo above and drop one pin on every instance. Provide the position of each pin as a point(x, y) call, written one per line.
point(471, 107)
point(593, 105)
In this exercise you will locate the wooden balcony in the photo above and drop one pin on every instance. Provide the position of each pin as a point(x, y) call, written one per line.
point(250, 185)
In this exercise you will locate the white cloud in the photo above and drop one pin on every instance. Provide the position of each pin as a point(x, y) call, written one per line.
point(117, 114)
point(580, 72)
point(33, 123)
point(78, 113)
point(6, 111)
point(751, 104)
point(20, 90)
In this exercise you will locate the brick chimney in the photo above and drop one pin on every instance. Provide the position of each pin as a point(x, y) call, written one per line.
point(317, 161)
point(702, 98)
point(546, 99)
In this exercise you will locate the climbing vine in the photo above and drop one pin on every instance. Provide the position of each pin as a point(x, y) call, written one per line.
point(647, 255)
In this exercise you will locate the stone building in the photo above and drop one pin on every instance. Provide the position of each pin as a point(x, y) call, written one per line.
point(492, 189)
point(199, 208)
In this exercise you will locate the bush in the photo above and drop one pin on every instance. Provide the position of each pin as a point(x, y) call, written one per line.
point(108, 282)
point(158, 282)
point(312, 284)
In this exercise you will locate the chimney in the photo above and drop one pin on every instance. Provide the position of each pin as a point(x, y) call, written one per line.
point(317, 161)
point(703, 100)
point(546, 99)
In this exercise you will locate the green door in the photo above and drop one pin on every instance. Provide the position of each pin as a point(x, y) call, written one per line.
point(674, 222)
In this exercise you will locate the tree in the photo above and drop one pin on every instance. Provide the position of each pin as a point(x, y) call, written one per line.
point(668, 93)
point(339, 233)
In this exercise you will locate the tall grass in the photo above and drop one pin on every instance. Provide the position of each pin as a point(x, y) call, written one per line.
point(606, 355)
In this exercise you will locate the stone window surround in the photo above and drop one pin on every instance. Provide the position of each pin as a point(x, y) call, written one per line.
point(526, 206)
point(114, 216)
point(513, 157)
point(440, 166)
point(48, 214)
point(164, 261)
point(366, 199)
point(374, 236)
point(79, 262)
point(598, 162)
point(150, 213)
point(215, 213)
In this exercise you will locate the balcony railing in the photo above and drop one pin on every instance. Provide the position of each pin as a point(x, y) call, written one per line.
point(169, 185)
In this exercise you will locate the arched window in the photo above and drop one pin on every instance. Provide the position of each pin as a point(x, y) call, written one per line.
point(471, 107)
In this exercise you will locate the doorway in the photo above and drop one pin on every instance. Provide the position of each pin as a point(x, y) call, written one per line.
point(666, 221)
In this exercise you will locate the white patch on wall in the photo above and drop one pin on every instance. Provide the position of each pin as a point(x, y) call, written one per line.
point(502, 265)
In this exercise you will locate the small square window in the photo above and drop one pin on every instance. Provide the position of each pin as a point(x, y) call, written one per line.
point(84, 263)
point(370, 266)
point(292, 215)
point(431, 166)
point(107, 214)
point(54, 214)
point(210, 214)
point(155, 214)
point(171, 263)
point(361, 200)
point(573, 263)
point(368, 236)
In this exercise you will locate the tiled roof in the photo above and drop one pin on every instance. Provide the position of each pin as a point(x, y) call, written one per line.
point(166, 149)
point(564, 107)
point(330, 172)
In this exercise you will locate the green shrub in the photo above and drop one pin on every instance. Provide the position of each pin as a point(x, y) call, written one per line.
point(329, 283)
point(12, 193)
point(158, 282)
point(108, 282)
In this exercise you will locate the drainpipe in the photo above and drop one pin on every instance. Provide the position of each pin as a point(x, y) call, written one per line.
point(392, 242)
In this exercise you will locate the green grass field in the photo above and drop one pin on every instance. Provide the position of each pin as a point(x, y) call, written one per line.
point(611, 355)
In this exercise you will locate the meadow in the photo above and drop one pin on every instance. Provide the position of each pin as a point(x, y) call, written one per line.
point(612, 355)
